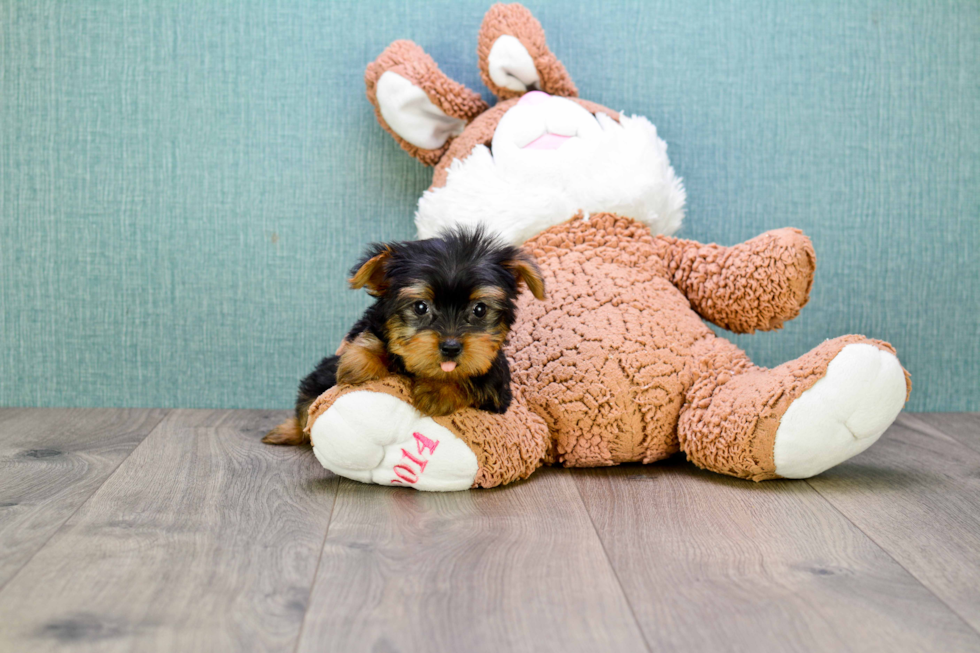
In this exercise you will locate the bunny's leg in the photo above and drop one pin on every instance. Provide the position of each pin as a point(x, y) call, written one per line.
point(795, 420)
point(372, 433)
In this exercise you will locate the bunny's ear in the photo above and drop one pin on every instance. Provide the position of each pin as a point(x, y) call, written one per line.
point(514, 57)
point(416, 103)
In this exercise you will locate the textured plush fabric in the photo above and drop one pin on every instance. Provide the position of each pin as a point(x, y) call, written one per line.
point(408, 60)
point(615, 360)
point(480, 132)
point(508, 447)
point(619, 366)
point(519, 196)
point(183, 186)
point(712, 278)
point(519, 22)
point(614, 366)
point(733, 409)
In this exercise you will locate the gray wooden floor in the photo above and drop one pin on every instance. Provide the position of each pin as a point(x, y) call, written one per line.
point(155, 530)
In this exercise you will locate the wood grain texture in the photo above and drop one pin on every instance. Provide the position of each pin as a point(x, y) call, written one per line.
point(918, 497)
point(963, 427)
point(712, 563)
point(204, 539)
point(513, 569)
point(51, 461)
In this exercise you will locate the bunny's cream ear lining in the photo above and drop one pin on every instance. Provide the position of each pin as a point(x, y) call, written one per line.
point(510, 65)
point(416, 103)
point(412, 115)
point(514, 57)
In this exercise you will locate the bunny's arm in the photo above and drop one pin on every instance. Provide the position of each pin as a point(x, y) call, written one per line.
point(758, 284)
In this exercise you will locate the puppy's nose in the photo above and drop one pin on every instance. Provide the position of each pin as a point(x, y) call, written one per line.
point(450, 348)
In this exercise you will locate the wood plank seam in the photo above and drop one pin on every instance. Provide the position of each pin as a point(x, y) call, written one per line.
point(87, 499)
point(319, 560)
point(224, 522)
point(612, 567)
point(893, 558)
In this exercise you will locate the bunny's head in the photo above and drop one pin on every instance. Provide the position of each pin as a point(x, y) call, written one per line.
point(535, 159)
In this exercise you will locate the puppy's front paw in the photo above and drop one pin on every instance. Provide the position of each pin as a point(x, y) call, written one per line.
point(373, 437)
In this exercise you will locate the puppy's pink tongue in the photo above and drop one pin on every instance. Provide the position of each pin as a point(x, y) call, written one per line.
point(448, 366)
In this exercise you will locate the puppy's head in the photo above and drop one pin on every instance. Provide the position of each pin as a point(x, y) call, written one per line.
point(448, 302)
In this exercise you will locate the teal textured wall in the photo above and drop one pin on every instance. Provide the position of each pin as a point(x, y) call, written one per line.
point(183, 185)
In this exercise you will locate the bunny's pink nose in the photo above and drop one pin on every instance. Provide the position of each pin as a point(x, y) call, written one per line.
point(547, 141)
point(533, 97)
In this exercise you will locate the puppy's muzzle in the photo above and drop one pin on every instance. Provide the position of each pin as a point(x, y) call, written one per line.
point(450, 349)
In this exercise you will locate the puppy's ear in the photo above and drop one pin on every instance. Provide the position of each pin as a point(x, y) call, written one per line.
point(370, 273)
point(523, 267)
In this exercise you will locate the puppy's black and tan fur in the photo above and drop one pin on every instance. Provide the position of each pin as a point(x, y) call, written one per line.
point(442, 312)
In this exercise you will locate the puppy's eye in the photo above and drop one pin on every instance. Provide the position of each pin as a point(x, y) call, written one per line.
point(480, 310)
point(420, 308)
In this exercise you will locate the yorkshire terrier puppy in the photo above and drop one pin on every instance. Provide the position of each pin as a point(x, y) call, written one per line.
point(442, 312)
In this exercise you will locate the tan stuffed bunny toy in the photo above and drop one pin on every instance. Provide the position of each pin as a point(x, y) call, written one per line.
point(616, 365)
